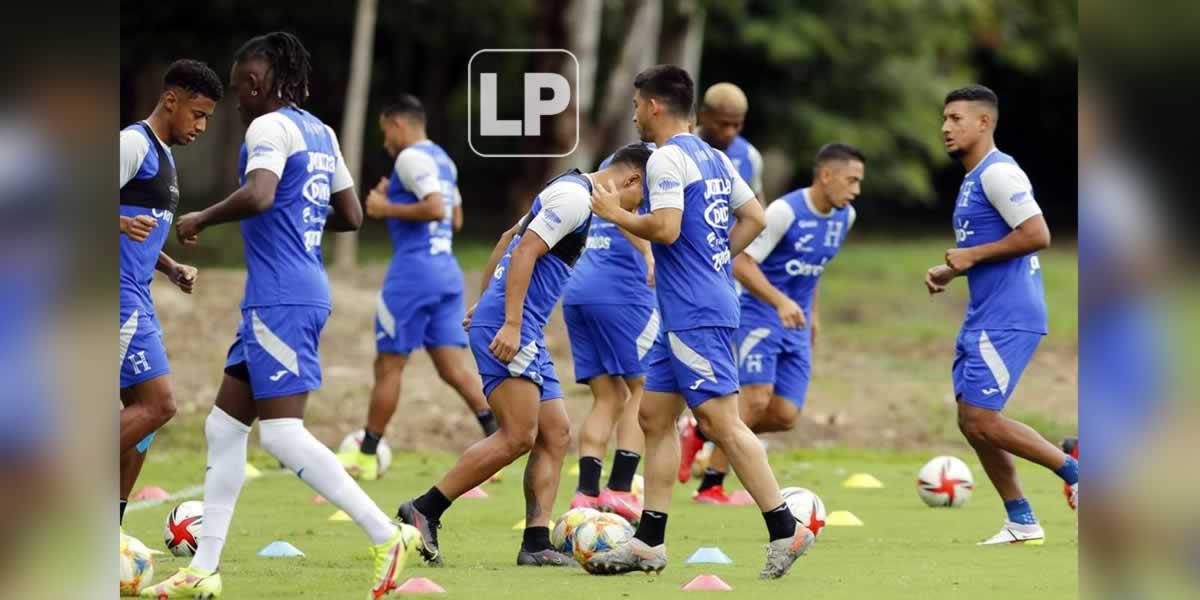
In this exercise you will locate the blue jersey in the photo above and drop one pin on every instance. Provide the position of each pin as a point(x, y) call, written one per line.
point(423, 257)
point(793, 251)
point(994, 198)
point(560, 215)
point(611, 270)
point(149, 186)
point(747, 160)
point(693, 275)
point(284, 265)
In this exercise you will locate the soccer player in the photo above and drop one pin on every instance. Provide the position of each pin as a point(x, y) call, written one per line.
point(781, 273)
point(999, 228)
point(525, 278)
point(295, 185)
point(722, 116)
point(149, 194)
point(612, 319)
point(695, 195)
point(421, 303)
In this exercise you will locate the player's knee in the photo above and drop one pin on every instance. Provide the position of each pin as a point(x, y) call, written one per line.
point(163, 408)
point(651, 419)
point(389, 365)
point(784, 416)
point(555, 436)
point(720, 429)
point(520, 442)
point(754, 406)
point(975, 425)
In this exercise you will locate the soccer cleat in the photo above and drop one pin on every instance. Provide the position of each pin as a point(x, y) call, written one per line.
point(543, 558)
point(782, 553)
point(690, 445)
point(623, 503)
point(427, 527)
point(390, 558)
point(631, 556)
point(364, 467)
point(190, 583)
point(1073, 496)
point(1015, 533)
point(712, 495)
point(582, 500)
point(1071, 492)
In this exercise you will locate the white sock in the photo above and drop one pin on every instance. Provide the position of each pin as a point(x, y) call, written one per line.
point(316, 465)
point(227, 439)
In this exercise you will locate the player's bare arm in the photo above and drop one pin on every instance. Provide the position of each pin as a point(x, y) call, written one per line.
point(493, 261)
point(643, 248)
point(254, 198)
point(748, 273)
point(1030, 236)
point(431, 208)
point(183, 276)
point(138, 228)
point(815, 325)
point(520, 269)
point(346, 213)
point(751, 220)
point(457, 219)
point(660, 226)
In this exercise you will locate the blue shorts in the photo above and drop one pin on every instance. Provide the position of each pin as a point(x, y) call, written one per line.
point(778, 357)
point(405, 321)
point(610, 339)
point(275, 350)
point(532, 362)
point(697, 363)
point(143, 355)
point(988, 364)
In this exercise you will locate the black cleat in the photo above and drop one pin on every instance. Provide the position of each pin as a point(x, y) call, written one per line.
point(428, 528)
point(544, 558)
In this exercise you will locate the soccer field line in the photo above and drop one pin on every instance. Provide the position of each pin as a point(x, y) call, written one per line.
point(188, 493)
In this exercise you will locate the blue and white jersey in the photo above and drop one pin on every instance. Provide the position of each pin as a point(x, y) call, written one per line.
point(611, 270)
point(149, 186)
point(283, 245)
point(995, 198)
point(693, 275)
point(793, 251)
point(423, 257)
point(748, 162)
point(560, 215)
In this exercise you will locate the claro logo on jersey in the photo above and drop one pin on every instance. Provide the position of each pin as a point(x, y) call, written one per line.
point(799, 268)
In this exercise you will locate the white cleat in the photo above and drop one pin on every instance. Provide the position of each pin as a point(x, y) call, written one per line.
point(1015, 533)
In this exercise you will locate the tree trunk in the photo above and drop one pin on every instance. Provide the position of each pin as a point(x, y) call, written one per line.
point(683, 37)
point(353, 119)
point(614, 125)
point(583, 20)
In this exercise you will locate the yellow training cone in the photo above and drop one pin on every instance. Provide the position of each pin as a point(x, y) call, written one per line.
point(252, 472)
point(339, 516)
point(842, 518)
point(862, 481)
point(520, 526)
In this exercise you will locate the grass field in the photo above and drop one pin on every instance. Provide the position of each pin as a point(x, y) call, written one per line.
point(905, 550)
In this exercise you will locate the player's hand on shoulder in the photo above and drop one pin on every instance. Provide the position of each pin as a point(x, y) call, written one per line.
point(188, 227)
point(937, 278)
point(606, 200)
point(138, 228)
point(650, 271)
point(791, 314)
point(504, 346)
point(376, 203)
point(184, 276)
point(960, 259)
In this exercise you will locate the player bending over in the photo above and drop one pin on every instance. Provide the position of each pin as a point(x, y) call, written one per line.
point(421, 303)
point(998, 227)
point(292, 175)
point(612, 319)
point(695, 194)
point(781, 273)
point(524, 280)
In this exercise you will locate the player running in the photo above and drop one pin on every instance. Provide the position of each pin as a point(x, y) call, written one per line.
point(998, 227)
point(722, 116)
point(612, 319)
point(295, 185)
point(421, 303)
point(694, 194)
point(149, 194)
point(781, 273)
point(524, 280)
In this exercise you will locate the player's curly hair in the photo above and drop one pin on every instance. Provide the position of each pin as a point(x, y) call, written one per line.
point(289, 63)
point(195, 77)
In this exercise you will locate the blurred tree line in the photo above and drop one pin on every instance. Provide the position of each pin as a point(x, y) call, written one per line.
point(868, 72)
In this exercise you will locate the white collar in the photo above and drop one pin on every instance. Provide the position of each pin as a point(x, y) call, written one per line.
point(982, 160)
point(813, 209)
point(156, 138)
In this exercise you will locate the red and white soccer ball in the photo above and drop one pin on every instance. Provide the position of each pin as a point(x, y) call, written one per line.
point(945, 481)
point(806, 507)
point(383, 453)
point(182, 533)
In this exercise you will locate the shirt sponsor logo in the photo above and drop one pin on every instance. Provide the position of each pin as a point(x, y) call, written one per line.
point(316, 190)
point(806, 224)
point(319, 161)
point(799, 268)
point(963, 231)
point(667, 185)
point(261, 149)
point(552, 216)
point(1020, 198)
point(801, 244)
point(717, 214)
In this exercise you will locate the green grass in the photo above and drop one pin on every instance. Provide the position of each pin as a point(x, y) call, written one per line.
point(905, 550)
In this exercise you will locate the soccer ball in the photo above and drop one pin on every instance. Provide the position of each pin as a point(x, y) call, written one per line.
point(183, 528)
point(137, 567)
point(599, 535)
point(564, 528)
point(806, 507)
point(945, 481)
point(383, 453)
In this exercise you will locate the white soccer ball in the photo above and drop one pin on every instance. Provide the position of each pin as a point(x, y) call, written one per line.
point(182, 531)
point(806, 507)
point(945, 481)
point(561, 537)
point(600, 534)
point(383, 454)
point(137, 565)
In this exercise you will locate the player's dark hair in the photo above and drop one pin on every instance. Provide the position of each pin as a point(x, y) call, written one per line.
point(670, 84)
point(634, 155)
point(974, 93)
point(195, 77)
point(289, 63)
point(405, 105)
point(837, 152)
